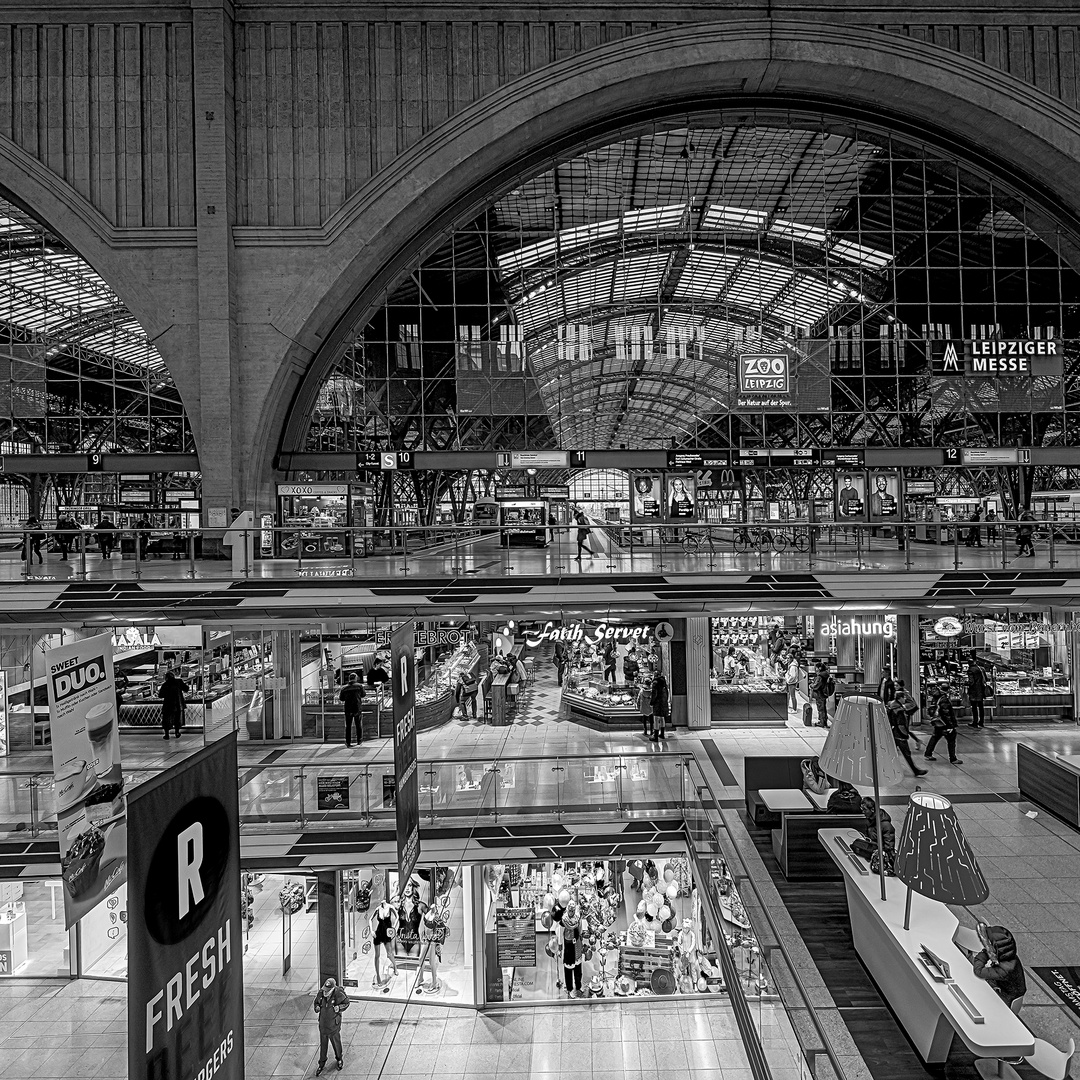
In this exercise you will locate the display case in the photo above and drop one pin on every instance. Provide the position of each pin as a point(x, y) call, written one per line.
point(592, 699)
point(523, 523)
point(755, 700)
point(435, 693)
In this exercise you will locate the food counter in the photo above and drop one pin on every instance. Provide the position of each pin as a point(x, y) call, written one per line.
point(755, 700)
point(146, 712)
point(322, 711)
point(615, 706)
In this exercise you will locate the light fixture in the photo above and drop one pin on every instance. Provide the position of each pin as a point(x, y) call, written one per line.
point(860, 750)
point(933, 856)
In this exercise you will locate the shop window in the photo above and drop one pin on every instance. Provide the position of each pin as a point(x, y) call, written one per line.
point(103, 938)
point(33, 941)
point(281, 931)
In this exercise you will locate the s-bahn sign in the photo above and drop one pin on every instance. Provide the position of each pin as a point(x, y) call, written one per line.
point(993, 357)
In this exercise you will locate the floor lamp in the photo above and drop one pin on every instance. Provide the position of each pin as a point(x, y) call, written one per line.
point(860, 750)
point(933, 856)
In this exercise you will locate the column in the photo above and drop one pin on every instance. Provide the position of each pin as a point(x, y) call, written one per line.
point(846, 658)
point(873, 647)
point(907, 653)
point(698, 709)
point(215, 202)
point(329, 920)
point(823, 643)
point(287, 700)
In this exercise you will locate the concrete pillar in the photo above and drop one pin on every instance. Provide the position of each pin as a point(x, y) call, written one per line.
point(846, 654)
point(215, 210)
point(822, 642)
point(329, 917)
point(907, 653)
point(698, 710)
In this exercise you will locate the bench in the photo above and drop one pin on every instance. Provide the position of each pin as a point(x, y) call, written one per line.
point(769, 772)
point(798, 851)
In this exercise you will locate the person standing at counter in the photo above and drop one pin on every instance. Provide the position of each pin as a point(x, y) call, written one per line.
point(351, 697)
point(560, 660)
point(377, 675)
point(976, 692)
point(465, 694)
point(172, 703)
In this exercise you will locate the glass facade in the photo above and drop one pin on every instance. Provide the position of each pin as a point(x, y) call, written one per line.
point(612, 300)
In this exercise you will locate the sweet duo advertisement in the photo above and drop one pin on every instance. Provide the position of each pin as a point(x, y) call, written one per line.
point(87, 778)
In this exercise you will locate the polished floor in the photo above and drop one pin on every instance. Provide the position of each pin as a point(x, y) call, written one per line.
point(480, 557)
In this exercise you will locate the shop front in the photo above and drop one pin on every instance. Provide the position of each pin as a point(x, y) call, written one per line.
point(317, 522)
point(746, 682)
point(1026, 658)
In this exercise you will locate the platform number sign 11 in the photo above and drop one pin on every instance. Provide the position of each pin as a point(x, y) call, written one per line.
point(764, 373)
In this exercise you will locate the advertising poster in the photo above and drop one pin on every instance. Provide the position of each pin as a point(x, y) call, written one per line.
point(3, 715)
point(1065, 982)
point(681, 497)
point(851, 496)
point(646, 502)
point(884, 496)
point(332, 792)
point(185, 943)
point(403, 687)
point(88, 781)
point(515, 930)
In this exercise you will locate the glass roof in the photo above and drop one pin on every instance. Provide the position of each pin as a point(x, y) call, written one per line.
point(51, 294)
point(669, 253)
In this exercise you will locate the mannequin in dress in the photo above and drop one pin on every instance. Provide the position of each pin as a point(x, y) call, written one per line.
point(384, 923)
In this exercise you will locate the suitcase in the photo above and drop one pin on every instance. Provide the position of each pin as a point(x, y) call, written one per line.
point(808, 714)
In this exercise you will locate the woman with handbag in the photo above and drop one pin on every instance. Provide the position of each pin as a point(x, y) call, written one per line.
point(660, 702)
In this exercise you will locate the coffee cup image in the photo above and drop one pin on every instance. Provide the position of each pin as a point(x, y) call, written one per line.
point(99, 724)
point(71, 784)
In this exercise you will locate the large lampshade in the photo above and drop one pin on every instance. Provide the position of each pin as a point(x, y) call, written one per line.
point(847, 755)
point(933, 856)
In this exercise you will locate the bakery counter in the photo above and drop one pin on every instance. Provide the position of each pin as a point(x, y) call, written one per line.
point(742, 705)
point(614, 709)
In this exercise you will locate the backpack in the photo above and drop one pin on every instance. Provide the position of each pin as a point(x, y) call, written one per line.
point(830, 686)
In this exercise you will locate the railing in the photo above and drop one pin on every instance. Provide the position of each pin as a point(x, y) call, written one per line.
point(457, 549)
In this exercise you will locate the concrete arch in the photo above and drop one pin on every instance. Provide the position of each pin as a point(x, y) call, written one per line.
point(152, 270)
point(1015, 130)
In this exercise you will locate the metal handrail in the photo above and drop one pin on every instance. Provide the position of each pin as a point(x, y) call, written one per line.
point(792, 968)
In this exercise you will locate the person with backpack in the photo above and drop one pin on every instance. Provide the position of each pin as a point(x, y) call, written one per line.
point(330, 1002)
point(822, 686)
point(976, 692)
point(351, 696)
point(899, 723)
point(465, 694)
point(943, 717)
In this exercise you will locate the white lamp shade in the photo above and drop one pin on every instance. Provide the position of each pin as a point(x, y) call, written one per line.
point(846, 753)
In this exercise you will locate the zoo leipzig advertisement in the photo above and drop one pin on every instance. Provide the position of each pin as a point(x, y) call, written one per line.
point(88, 782)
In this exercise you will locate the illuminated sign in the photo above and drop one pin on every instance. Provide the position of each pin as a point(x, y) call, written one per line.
point(593, 635)
point(858, 627)
point(764, 373)
point(948, 627)
point(997, 356)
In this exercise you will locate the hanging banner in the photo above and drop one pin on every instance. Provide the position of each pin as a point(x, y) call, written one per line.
point(403, 687)
point(87, 777)
point(185, 946)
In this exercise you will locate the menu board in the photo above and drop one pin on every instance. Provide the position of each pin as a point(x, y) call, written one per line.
point(515, 931)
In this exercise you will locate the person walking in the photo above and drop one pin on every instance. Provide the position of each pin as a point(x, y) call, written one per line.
point(35, 535)
point(172, 703)
point(976, 692)
point(660, 703)
point(582, 533)
point(900, 733)
point(330, 1002)
point(944, 721)
point(351, 697)
point(1025, 535)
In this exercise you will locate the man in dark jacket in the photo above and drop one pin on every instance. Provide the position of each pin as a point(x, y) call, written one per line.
point(351, 696)
point(330, 1002)
point(106, 537)
point(976, 692)
point(172, 703)
point(999, 964)
point(944, 721)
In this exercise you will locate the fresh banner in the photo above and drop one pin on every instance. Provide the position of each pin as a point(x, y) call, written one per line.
point(87, 778)
point(403, 687)
point(185, 944)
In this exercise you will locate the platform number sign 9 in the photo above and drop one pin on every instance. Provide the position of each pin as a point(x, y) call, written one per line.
point(95, 462)
point(764, 373)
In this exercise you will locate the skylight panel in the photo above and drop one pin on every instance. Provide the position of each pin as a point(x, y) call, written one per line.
point(734, 218)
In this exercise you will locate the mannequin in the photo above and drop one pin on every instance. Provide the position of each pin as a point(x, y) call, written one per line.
point(384, 923)
point(432, 927)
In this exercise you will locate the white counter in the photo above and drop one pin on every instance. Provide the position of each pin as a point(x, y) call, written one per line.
point(928, 1010)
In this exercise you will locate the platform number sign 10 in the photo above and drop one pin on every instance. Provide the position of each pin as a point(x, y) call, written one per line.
point(764, 373)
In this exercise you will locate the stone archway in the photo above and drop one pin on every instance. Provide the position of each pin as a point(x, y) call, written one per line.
point(1008, 126)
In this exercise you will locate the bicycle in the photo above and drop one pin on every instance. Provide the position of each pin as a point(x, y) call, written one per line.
point(800, 539)
point(693, 542)
point(749, 538)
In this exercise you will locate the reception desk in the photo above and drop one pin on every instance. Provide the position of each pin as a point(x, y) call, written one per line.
point(929, 1011)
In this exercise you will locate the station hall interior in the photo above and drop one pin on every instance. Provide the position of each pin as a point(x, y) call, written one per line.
point(605, 480)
